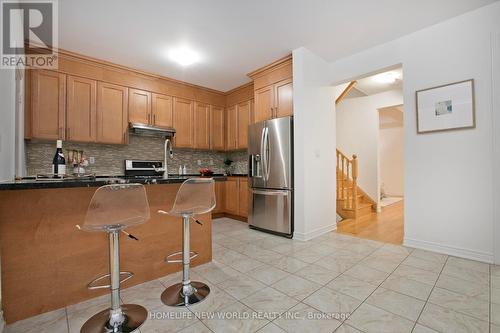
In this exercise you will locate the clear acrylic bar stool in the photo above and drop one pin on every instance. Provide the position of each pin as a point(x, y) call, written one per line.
point(112, 209)
point(195, 196)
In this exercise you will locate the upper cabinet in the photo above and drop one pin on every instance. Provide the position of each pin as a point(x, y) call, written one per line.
point(139, 106)
point(231, 128)
point(273, 90)
point(283, 100)
point(112, 113)
point(48, 105)
point(81, 115)
point(244, 114)
point(264, 103)
point(201, 126)
point(183, 122)
point(217, 121)
point(162, 110)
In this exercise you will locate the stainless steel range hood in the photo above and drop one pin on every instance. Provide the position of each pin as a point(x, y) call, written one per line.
point(148, 130)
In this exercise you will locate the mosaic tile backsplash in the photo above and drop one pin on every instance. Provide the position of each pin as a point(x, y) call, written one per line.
point(109, 158)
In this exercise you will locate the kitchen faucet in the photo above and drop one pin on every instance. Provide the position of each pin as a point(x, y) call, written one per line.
point(167, 147)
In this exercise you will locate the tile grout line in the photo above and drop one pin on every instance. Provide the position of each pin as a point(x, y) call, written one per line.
point(377, 289)
point(427, 300)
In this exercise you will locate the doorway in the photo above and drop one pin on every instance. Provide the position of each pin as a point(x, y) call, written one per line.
point(369, 121)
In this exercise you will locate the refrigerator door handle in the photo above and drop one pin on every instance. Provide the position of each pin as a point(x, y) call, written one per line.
point(266, 153)
point(263, 152)
point(270, 192)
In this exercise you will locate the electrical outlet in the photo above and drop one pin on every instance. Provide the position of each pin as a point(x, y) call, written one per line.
point(92, 160)
point(199, 162)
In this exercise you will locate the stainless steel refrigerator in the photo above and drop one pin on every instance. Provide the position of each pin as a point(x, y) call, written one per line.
point(270, 173)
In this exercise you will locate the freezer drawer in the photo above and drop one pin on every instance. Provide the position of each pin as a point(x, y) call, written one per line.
point(271, 210)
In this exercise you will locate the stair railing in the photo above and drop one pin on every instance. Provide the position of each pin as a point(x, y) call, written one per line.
point(347, 182)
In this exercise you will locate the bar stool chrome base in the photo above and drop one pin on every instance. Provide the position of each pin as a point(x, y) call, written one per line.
point(135, 316)
point(173, 295)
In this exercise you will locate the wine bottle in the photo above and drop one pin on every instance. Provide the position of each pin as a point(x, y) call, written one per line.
point(59, 162)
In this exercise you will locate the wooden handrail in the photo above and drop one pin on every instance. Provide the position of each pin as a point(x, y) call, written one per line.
point(347, 182)
point(345, 92)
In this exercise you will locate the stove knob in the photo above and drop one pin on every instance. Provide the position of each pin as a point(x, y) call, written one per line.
point(153, 181)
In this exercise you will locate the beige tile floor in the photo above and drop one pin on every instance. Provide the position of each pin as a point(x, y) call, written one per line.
point(335, 283)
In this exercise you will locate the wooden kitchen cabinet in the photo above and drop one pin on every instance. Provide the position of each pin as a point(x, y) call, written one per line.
point(243, 197)
point(283, 98)
point(231, 193)
point(48, 105)
point(273, 92)
point(231, 128)
point(81, 115)
point(201, 126)
point(183, 123)
point(162, 110)
point(219, 197)
point(217, 128)
point(112, 113)
point(244, 114)
point(264, 102)
point(139, 106)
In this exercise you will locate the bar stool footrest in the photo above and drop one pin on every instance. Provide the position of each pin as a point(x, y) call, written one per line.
point(93, 284)
point(169, 259)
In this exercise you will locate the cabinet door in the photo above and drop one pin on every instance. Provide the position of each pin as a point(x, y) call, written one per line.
point(183, 123)
point(217, 128)
point(243, 197)
point(139, 106)
point(244, 110)
point(283, 92)
point(201, 126)
point(162, 106)
point(48, 105)
point(231, 128)
point(264, 103)
point(219, 197)
point(112, 113)
point(231, 195)
point(81, 114)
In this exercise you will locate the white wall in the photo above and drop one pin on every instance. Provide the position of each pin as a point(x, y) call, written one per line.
point(358, 133)
point(314, 146)
point(391, 138)
point(496, 142)
point(7, 124)
point(448, 175)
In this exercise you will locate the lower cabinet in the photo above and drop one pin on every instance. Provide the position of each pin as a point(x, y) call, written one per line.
point(231, 189)
point(232, 197)
point(243, 197)
point(219, 198)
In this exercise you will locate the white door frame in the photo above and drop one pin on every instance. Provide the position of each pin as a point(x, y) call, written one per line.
point(495, 53)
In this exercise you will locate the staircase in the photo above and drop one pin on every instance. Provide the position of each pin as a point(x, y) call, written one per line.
point(352, 201)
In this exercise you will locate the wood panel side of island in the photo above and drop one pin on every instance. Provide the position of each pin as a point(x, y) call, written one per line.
point(47, 262)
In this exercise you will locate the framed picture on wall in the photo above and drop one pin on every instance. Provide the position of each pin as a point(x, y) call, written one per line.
point(446, 107)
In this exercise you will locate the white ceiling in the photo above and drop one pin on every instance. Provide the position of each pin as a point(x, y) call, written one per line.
point(235, 37)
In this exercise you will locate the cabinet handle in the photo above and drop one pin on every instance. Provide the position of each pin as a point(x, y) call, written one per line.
point(69, 133)
point(149, 118)
point(154, 118)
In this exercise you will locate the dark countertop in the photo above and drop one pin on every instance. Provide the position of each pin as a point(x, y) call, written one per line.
point(28, 183)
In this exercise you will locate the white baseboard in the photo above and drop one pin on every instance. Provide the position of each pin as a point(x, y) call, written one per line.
point(2, 322)
point(450, 250)
point(315, 233)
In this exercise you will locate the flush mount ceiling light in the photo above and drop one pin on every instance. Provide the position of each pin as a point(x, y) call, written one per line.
point(387, 77)
point(184, 56)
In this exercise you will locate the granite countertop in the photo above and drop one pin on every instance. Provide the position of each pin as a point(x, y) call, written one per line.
point(31, 183)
